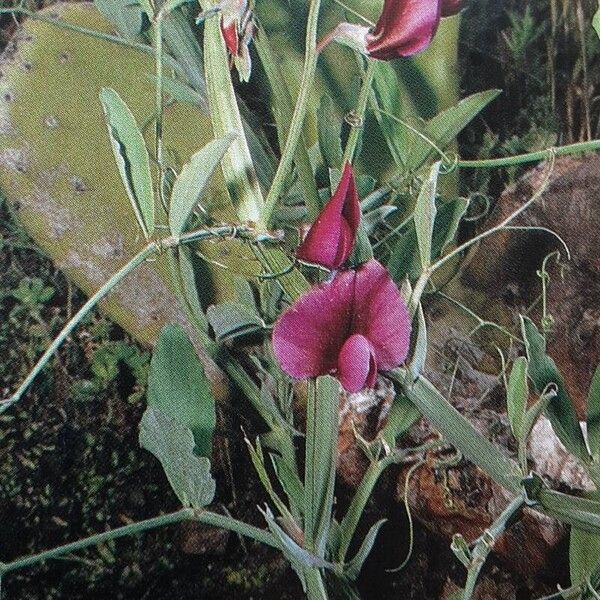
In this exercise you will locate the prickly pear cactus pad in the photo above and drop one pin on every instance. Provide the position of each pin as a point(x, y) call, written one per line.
point(56, 162)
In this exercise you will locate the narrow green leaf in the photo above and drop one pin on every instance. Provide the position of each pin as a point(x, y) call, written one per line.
point(405, 257)
point(543, 372)
point(177, 385)
point(387, 96)
point(458, 431)
point(516, 396)
point(193, 180)
point(417, 364)
point(330, 133)
point(321, 439)
point(353, 568)
point(189, 287)
point(230, 320)
point(125, 15)
point(402, 416)
point(173, 444)
point(593, 415)
point(290, 482)
point(447, 221)
point(445, 126)
point(425, 212)
point(131, 156)
point(180, 91)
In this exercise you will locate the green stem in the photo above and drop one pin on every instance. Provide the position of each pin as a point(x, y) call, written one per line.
point(359, 113)
point(186, 514)
point(315, 588)
point(84, 31)
point(297, 124)
point(357, 506)
point(520, 159)
point(146, 252)
point(486, 542)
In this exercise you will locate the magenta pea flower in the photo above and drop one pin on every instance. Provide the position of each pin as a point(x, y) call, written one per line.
point(352, 327)
point(330, 239)
point(404, 28)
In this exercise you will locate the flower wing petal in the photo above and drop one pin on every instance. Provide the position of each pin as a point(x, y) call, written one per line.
point(308, 336)
point(381, 315)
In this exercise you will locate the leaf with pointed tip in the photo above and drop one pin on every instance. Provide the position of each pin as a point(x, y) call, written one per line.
point(424, 215)
point(417, 364)
point(354, 567)
point(131, 156)
point(230, 320)
point(173, 444)
point(193, 180)
point(177, 385)
point(516, 396)
point(125, 15)
point(543, 372)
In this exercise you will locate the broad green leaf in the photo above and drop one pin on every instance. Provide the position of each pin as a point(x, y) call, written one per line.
point(320, 462)
point(353, 568)
point(516, 396)
point(193, 180)
point(330, 133)
point(543, 372)
point(177, 385)
point(230, 320)
point(131, 156)
point(444, 127)
point(593, 415)
point(125, 15)
point(596, 21)
point(424, 215)
point(387, 96)
point(173, 444)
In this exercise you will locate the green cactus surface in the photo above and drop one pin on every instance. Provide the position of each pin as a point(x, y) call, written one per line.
point(58, 171)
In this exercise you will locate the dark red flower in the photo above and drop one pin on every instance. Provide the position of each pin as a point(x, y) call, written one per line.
point(352, 327)
point(404, 28)
point(330, 240)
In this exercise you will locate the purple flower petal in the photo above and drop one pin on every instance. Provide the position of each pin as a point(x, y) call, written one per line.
point(330, 240)
point(357, 367)
point(309, 335)
point(381, 315)
point(404, 28)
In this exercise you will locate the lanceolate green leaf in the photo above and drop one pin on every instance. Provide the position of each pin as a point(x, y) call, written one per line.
point(425, 212)
point(177, 385)
point(125, 15)
point(516, 396)
point(387, 96)
point(584, 554)
point(445, 126)
point(593, 415)
point(173, 444)
point(543, 372)
point(193, 180)
point(131, 156)
point(354, 567)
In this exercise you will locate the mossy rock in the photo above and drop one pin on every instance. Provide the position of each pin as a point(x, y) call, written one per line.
point(58, 171)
